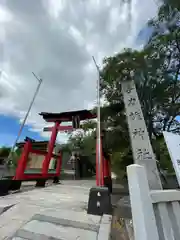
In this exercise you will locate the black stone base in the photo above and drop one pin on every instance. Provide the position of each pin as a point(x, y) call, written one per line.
point(108, 183)
point(99, 201)
point(41, 182)
point(4, 186)
point(56, 180)
point(15, 185)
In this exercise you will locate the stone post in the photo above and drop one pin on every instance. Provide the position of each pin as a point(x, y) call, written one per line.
point(140, 142)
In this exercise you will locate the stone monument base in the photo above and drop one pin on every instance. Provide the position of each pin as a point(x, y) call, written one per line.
point(108, 183)
point(4, 186)
point(15, 185)
point(41, 182)
point(56, 180)
point(99, 201)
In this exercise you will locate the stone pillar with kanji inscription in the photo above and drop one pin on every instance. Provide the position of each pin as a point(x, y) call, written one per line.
point(141, 147)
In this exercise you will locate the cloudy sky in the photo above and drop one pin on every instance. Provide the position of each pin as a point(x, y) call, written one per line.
point(56, 39)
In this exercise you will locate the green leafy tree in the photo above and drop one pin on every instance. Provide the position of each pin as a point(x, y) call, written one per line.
point(4, 154)
point(166, 45)
point(154, 87)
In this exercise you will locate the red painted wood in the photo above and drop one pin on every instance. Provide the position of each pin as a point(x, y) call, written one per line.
point(37, 176)
point(60, 128)
point(106, 168)
point(97, 165)
point(102, 167)
point(23, 161)
point(59, 165)
point(51, 145)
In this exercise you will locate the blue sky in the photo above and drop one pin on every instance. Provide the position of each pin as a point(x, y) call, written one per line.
point(9, 127)
point(178, 118)
point(144, 35)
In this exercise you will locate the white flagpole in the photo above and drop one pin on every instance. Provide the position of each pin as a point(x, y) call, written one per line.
point(98, 121)
point(26, 116)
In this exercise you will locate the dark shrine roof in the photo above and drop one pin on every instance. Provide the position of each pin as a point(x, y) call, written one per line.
point(67, 116)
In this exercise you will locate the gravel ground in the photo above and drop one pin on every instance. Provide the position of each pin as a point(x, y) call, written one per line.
point(121, 229)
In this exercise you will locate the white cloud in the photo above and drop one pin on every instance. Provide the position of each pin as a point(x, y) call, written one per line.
point(56, 39)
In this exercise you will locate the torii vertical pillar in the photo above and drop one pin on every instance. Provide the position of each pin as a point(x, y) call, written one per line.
point(50, 149)
point(23, 161)
point(141, 147)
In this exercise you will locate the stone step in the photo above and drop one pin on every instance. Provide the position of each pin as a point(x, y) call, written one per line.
point(53, 213)
point(60, 224)
point(65, 225)
point(37, 230)
point(70, 218)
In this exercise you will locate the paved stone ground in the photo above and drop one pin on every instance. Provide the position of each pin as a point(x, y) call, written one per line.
point(56, 212)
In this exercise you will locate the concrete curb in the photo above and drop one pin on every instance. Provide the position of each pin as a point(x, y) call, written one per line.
point(66, 222)
point(105, 228)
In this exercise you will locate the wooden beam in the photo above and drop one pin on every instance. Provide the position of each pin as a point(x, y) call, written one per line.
point(60, 128)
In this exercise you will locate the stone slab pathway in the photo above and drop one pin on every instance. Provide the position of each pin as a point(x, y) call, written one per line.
point(57, 212)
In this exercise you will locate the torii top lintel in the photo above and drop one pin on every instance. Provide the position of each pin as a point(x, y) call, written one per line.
point(67, 116)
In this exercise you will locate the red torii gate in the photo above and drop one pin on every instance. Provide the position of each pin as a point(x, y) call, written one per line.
point(57, 118)
point(75, 117)
point(99, 197)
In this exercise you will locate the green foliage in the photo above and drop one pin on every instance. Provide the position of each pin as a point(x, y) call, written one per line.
point(162, 154)
point(15, 157)
point(4, 154)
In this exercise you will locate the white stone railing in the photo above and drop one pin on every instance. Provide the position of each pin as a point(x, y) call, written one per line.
point(155, 213)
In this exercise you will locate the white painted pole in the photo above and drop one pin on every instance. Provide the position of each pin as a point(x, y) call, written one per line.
point(26, 116)
point(98, 121)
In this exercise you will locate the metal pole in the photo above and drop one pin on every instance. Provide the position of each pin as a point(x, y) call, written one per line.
point(26, 116)
point(98, 122)
point(74, 164)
